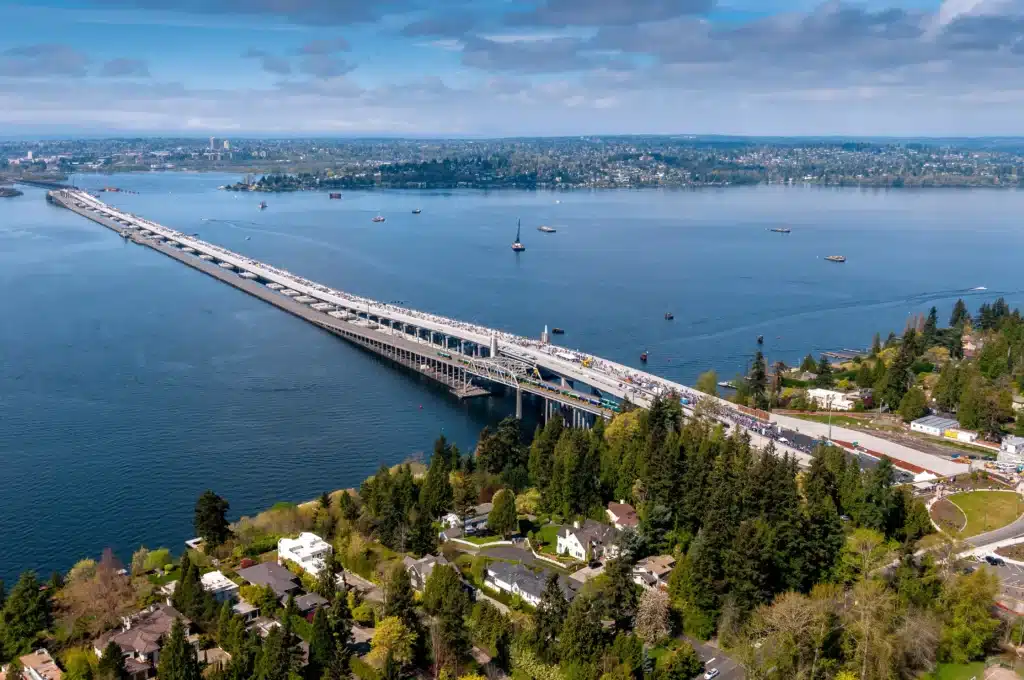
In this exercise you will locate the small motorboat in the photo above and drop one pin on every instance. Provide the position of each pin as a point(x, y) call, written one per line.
point(643, 357)
point(782, 230)
point(248, 238)
point(416, 211)
point(335, 196)
point(546, 229)
point(263, 205)
point(836, 258)
point(760, 339)
point(378, 218)
point(558, 331)
point(669, 316)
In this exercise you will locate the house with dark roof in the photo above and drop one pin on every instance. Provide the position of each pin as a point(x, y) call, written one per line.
point(140, 638)
point(420, 570)
point(588, 540)
point(310, 602)
point(517, 580)
point(37, 665)
point(280, 580)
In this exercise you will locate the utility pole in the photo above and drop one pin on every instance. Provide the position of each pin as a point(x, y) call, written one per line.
point(829, 402)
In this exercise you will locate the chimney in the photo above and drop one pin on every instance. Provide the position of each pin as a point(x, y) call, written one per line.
point(575, 524)
point(622, 501)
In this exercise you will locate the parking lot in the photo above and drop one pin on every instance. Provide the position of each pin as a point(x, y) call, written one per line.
point(1011, 592)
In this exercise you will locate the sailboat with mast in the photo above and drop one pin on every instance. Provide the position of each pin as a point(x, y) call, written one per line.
point(518, 245)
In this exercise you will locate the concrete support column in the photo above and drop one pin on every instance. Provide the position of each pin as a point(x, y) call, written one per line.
point(462, 346)
point(519, 403)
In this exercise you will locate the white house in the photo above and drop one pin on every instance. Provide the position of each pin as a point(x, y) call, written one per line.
point(220, 586)
point(587, 541)
point(653, 572)
point(308, 551)
point(934, 425)
point(472, 523)
point(825, 399)
point(1011, 451)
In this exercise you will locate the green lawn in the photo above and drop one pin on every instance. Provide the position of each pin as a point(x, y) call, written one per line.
point(481, 540)
point(547, 538)
point(987, 510)
point(951, 671)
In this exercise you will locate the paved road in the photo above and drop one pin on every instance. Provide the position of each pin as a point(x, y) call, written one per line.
point(1014, 529)
point(714, 658)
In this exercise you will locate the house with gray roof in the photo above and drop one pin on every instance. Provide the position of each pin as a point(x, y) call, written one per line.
point(588, 540)
point(420, 570)
point(280, 580)
point(140, 638)
point(517, 580)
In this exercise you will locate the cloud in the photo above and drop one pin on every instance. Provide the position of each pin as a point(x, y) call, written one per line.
point(271, 63)
point(325, 66)
point(310, 12)
point(328, 46)
point(607, 12)
point(548, 55)
point(42, 60)
point(123, 67)
point(453, 25)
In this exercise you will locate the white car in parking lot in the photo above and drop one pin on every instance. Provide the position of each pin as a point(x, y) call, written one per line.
point(713, 673)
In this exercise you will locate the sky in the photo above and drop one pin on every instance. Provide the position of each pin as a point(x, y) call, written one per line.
point(491, 68)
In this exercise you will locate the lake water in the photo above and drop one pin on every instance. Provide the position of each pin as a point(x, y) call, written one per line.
point(129, 383)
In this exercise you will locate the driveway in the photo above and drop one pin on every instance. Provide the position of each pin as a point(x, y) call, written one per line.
point(714, 658)
point(514, 554)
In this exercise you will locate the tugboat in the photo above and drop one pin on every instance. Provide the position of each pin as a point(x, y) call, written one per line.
point(546, 229)
point(378, 218)
point(517, 245)
point(836, 258)
point(669, 316)
point(416, 211)
point(643, 357)
point(263, 205)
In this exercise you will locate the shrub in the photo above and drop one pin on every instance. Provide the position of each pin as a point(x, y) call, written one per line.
point(364, 614)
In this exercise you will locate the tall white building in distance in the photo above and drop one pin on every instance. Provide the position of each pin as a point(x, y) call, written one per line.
point(227, 145)
point(213, 143)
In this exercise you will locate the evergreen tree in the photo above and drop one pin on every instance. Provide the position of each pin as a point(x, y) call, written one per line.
point(501, 449)
point(178, 657)
point(808, 365)
point(548, 618)
point(959, 315)
point(503, 519)
point(111, 664)
point(275, 660)
point(876, 345)
point(758, 381)
point(224, 625)
point(913, 405)
point(931, 327)
point(327, 579)
point(580, 641)
point(321, 646)
point(620, 595)
point(824, 371)
point(682, 664)
point(898, 377)
point(542, 453)
point(399, 599)
point(210, 520)
point(26, 613)
point(422, 535)
point(864, 376)
point(436, 492)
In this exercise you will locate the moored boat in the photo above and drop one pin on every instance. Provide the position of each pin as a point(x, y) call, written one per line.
point(643, 357)
point(517, 245)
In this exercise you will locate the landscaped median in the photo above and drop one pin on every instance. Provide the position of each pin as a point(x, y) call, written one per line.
point(976, 512)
